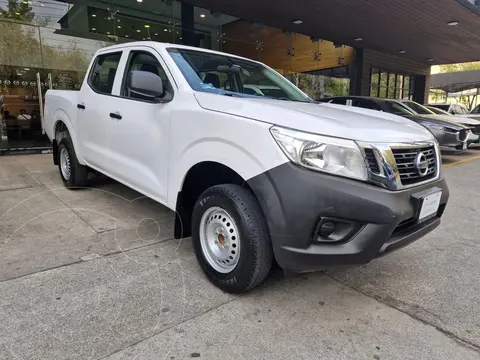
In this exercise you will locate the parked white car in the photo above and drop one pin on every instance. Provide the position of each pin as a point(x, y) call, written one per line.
point(250, 178)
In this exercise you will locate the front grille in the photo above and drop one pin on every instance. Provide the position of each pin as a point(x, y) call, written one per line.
point(405, 159)
point(462, 134)
point(372, 161)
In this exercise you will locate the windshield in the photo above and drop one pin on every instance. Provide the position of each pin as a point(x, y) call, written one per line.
point(438, 111)
point(442, 107)
point(419, 109)
point(225, 75)
point(398, 109)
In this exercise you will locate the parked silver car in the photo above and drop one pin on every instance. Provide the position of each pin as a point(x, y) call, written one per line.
point(473, 124)
point(452, 137)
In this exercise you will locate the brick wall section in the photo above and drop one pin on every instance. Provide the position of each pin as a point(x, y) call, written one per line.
point(393, 63)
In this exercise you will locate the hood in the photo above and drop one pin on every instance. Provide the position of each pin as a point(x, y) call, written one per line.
point(324, 119)
point(471, 116)
point(455, 119)
point(426, 120)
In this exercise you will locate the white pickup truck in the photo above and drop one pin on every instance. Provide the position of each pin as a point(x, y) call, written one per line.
point(251, 177)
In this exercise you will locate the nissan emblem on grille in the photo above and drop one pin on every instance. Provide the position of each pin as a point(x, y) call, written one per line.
point(421, 163)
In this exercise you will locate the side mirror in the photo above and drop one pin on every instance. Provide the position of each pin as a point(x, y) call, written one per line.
point(145, 83)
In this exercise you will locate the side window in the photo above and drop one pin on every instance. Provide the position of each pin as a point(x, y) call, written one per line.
point(339, 101)
point(143, 61)
point(366, 104)
point(103, 72)
point(476, 110)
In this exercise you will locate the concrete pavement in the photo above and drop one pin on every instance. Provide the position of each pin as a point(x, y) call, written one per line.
point(95, 274)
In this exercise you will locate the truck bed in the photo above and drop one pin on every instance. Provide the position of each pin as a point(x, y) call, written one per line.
point(60, 104)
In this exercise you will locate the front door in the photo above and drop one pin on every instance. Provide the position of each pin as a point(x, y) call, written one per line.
point(138, 130)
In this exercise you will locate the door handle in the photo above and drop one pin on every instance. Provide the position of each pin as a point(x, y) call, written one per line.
point(116, 115)
point(81, 106)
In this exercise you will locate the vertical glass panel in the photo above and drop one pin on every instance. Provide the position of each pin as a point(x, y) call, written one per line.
point(382, 92)
point(375, 77)
point(383, 78)
point(399, 86)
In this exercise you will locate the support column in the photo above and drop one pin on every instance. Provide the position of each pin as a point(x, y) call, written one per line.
point(188, 25)
point(420, 89)
point(356, 73)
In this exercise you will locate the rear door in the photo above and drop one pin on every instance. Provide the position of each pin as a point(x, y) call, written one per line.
point(93, 100)
point(138, 128)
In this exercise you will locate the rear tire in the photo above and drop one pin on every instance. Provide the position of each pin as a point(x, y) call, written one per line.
point(231, 238)
point(74, 175)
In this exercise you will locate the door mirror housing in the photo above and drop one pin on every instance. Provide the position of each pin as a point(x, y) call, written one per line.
point(145, 84)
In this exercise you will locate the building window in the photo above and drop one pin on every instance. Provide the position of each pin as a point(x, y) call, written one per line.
point(391, 85)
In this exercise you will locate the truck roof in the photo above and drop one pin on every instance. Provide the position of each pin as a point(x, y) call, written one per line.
point(161, 45)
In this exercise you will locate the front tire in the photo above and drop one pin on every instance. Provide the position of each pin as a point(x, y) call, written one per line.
point(74, 175)
point(231, 238)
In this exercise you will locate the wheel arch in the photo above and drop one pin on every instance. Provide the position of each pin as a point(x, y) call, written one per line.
point(199, 178)
point(62, 127)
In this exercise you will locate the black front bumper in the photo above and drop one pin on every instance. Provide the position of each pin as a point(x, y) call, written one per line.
point(294, 201)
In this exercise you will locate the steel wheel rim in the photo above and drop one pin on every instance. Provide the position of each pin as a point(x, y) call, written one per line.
point(65, 164)
point(220, 240)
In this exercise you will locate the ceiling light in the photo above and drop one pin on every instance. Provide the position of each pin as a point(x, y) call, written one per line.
point(93, 29)
point(27, 69)
point(297, 22)
point(138, 30)
point(147, 26)
point(165, 29)
point(358, 39)
point(108, 32)
point(202, 15)
point(119, 27)
point(156, 34)
point(139, 0)
point(126, 35)
point(402, 52)
point(17, 13)
point(94, 15)
point(431, 59)
point(452, 23)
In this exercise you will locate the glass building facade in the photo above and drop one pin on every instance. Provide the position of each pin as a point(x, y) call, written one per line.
point(48, 44)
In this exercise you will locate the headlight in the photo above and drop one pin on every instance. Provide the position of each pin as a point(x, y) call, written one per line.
point(437, 127)
point(322, 153)
point(443, 128)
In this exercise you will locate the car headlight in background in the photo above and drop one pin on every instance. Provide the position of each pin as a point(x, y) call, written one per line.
point(437, 127)
point(443, 128)
point(322, 153)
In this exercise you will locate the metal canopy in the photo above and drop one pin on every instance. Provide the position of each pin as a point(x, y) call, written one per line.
point(456, 81)
point(418, 27)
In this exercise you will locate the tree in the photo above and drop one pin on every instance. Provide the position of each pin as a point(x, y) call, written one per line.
point(460, 67)
point(21, 45)
point(19, 11)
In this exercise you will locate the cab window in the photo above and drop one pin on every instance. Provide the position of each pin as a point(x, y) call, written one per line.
point(103, 72)
point(143, 61)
